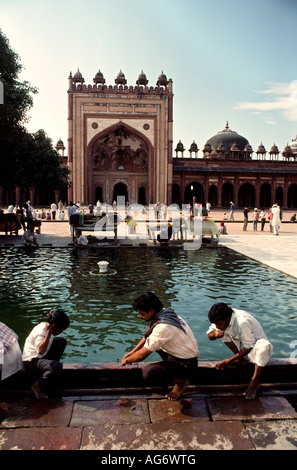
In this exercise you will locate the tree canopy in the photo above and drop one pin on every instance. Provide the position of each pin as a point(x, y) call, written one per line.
point(27, 160)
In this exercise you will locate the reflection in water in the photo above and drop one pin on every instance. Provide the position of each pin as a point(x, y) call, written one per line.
point(103, 324)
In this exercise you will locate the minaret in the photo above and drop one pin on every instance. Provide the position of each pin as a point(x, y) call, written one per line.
point(70, 132)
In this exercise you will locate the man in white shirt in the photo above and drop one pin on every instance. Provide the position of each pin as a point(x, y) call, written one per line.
point(29, 237)
point(172, 338)
point(42, 352)
point(245, 337)
point(54, 210)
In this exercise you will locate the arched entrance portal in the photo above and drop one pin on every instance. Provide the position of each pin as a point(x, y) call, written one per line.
point(192, 190)
point(246, 195)
point(99, 194)
point(120, 189)
point(120, 153)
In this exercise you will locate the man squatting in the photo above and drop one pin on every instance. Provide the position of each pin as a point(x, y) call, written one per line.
point(170, 336)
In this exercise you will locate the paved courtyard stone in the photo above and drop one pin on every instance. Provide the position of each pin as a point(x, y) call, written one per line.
point(238, 408)
point(62, 438)
point(31, 412)
point(158, 436)
point(120, 411)
point(190, 409)
point(273, 435)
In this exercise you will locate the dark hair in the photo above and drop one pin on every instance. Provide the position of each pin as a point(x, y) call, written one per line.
point(147, 301)
point(219, 311)
point(59, 319)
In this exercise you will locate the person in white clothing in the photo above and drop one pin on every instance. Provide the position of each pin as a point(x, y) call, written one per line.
point(170, 336)
point(29, 237)
point(82, 239)
point(42, 352)
point(245, 337)
point(276, 218)
point(54, 210)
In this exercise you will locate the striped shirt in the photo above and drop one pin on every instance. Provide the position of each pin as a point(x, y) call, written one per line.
point(7, 336)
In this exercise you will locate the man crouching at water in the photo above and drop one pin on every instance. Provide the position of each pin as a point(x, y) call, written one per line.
point(170, 336)
point(244, 335)
point(42, 352)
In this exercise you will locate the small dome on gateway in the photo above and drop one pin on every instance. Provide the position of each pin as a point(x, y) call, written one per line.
point(274, 149)
point(287, 150)
point(180, 147)
point(162, 79)
point(261, 149)
point(99, 77)
point(78, 77)
point(60, 143)
point(142, 80)
point(121, 80)
point(194, 147)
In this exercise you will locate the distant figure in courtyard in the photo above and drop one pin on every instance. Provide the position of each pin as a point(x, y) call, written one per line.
point(164, 236)
point(232, 209)
point(170, 336)
point(29, 237)
point(246, 211)
point(244, 336)
point(54, 210)
point(82, 239)
point(263, 216)
point(276, 218)
point(223, 229)
point(28, 216)
point(42, 352)
point(10, 352)
point(255, 218)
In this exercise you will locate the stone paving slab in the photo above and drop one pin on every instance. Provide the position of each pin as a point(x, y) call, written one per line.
point(184, 410)
point(238, 408)
point(273, 435)
point(121, 411)
point(53, 438)
point(31, 412)
point(225, 435)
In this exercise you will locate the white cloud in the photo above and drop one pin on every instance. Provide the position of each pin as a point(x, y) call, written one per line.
point(279, 97)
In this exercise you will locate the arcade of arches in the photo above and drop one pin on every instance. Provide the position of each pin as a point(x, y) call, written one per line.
point(245, 197)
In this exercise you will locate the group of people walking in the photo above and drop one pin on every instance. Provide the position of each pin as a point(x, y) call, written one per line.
point(168, 334)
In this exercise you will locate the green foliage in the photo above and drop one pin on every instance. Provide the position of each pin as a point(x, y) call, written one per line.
point(27, 160)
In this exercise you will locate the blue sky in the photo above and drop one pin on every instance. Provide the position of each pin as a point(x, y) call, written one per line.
point(229, 60)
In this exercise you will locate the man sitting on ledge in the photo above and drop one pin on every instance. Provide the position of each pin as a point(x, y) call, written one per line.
point(244, 335)
point(170, 336)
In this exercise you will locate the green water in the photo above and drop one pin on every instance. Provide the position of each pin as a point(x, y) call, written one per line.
point(104, 326)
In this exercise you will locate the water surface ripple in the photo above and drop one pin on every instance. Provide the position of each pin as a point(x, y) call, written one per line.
point(103, 324)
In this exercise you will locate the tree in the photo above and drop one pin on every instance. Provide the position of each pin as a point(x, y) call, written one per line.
point(27, 160)
point(42, 166)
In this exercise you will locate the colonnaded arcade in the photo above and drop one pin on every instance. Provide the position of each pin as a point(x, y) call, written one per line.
point(120, 142)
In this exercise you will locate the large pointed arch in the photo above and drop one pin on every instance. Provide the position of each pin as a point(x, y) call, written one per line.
point(120, 148)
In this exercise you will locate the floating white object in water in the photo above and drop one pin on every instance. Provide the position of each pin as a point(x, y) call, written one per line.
point(103, 266)
point(103, 269)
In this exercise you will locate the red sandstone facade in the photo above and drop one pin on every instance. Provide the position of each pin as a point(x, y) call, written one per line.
point(120, 144)
point(120, 140)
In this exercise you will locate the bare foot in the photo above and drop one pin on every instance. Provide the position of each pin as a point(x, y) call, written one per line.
point(37, 392)
point(178, 389)
point(251, 392)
